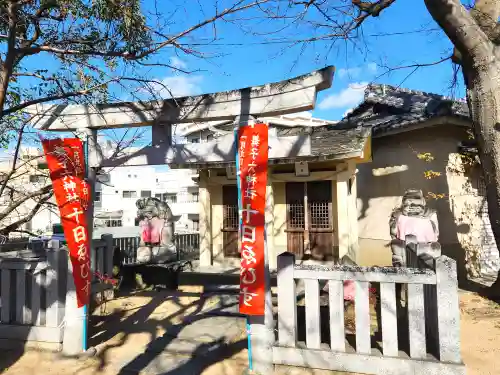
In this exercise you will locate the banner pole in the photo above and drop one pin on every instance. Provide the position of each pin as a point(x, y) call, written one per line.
point(238, 187)
point(91, 176)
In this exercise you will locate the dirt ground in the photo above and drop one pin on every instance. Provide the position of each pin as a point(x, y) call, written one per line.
point(141, 320)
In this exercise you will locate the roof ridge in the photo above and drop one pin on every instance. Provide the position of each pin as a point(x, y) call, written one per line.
point(382, 86)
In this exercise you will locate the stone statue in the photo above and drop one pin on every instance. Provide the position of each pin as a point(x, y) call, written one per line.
point(157, 231)
point(415, 218)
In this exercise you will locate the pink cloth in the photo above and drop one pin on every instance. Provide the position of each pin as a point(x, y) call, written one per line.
point(349, 290)
point(156, 227)
point(420, 227)
point(151, 230)
point(145, 231)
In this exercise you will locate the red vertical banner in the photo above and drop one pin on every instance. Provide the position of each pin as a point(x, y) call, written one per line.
point(66, 163)
point(253, 157)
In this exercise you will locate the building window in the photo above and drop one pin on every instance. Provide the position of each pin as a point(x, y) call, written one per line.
point(129, 194)
point(167, 197)
point(195, 140)
point(478, 185)
point(113, 223)
point(171, 198)
point(195, 197)
point(98, 196)
point(481, 187)
point(146, 194)
point(36, 179)
point(196, 225)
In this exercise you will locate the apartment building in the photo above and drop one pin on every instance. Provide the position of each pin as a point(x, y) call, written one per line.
point(119, 189)
point(26, 179)
point(116, 194)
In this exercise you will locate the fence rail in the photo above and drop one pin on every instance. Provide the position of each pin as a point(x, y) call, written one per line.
point(35, 286)
point(127, 239)
point(432, 319)
point(14, 244)
point(32, 295)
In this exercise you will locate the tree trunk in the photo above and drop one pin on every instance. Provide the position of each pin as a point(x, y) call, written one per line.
point(483, 97)
point(473, 35)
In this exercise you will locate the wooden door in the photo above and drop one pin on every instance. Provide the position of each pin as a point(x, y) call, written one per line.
point(295, 220)
point(230, 221)
point(320, 219)
point(310, 219)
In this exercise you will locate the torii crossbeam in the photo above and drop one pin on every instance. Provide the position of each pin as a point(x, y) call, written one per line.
point(272, 99)
point(289, 96)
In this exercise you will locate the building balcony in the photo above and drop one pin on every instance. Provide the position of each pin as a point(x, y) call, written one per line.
point(189, 208)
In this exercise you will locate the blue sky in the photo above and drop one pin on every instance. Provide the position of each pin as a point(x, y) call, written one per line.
point(404, 34)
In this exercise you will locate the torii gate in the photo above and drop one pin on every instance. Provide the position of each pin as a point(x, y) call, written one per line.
point(272, 99)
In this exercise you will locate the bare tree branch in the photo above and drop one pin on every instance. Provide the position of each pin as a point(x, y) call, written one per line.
point(13, 226)
point(24, 198)
point(54, 97)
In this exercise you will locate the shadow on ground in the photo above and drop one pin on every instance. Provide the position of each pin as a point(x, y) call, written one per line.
point(187, 332)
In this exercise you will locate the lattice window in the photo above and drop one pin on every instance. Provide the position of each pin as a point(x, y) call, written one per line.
point(296, 218)
point(481, 187)
point(230, 220)
point(319, 215)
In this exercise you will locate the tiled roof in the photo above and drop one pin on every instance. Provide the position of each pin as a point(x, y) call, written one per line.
point(388, 108)
point(328, 140)
point(338, 142)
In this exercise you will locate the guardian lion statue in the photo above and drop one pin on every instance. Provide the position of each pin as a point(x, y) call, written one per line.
point(157, 231)
point(413, 217)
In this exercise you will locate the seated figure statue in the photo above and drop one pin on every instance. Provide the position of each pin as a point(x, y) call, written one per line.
point(157, 231)
point(413, 217)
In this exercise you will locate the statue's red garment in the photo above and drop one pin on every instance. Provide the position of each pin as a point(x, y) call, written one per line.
point(151, 230)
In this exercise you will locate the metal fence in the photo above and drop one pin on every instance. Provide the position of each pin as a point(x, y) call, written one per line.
point(127, 239)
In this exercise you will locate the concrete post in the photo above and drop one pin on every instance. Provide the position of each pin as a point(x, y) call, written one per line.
point(269, 218)
point(343, 216)
point(205, 220)
point(353, 214)
point(74, 319)
point(262, 329)
point(448, 310)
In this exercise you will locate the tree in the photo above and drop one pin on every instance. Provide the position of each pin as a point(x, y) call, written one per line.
point(474, 31)
point(55, 51)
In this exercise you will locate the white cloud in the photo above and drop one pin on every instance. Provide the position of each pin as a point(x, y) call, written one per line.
point(348, 72)
point(177, 63)
point(349, 97)
point(178, 85)
point(356, 71)
point(372, 67)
